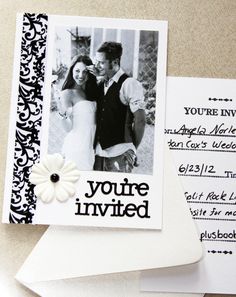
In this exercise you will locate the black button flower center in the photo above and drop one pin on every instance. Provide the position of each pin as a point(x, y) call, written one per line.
point(54, 178)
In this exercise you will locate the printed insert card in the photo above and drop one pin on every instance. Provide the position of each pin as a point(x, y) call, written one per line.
point(87, 121)
point(201, 131)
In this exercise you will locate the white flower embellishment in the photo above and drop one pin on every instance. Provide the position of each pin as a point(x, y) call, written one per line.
point(54, 178)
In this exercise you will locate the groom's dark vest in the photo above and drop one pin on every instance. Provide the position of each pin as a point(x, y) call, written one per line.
point(113, 117)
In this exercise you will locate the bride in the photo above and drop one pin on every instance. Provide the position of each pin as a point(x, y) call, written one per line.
point(78, 110)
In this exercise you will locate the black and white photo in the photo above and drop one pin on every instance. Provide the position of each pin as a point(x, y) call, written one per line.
point(103, 98)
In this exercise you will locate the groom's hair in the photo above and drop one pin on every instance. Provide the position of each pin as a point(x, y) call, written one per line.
point(113, 50)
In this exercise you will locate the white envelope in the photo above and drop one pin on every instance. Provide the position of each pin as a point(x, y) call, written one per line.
point(64, 254)
point(107, 285)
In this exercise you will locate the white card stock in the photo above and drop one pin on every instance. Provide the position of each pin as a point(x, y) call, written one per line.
point(45, 130)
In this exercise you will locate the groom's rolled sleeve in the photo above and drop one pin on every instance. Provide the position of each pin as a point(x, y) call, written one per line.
point(131, 94)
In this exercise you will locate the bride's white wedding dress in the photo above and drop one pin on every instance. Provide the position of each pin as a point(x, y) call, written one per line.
point(78, 143)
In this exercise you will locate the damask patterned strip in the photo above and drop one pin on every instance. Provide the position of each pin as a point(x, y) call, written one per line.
point(29, 115)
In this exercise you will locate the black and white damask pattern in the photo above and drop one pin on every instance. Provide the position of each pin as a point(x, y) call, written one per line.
point(29, 115)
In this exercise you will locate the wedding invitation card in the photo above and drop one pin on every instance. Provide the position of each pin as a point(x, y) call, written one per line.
point(201, 131)
point(86, 122)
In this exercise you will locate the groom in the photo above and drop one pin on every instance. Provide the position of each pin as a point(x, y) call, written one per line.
point(120, 113)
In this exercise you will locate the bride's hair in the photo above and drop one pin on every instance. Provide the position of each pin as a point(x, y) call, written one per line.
point(91, 88)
